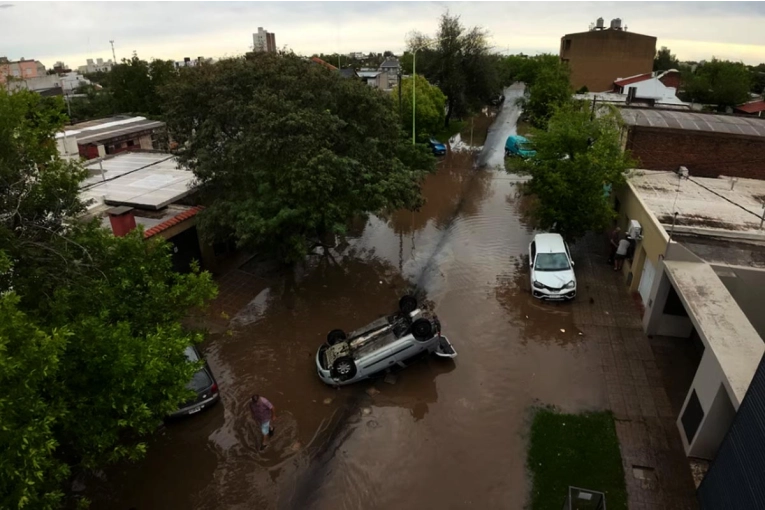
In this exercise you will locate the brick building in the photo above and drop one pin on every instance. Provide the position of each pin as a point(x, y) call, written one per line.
point(709, 145)
point(601, 55)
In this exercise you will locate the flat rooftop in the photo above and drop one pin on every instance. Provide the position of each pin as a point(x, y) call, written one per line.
point(725, 252)
point(112, 127)
point(694, 121)
point(136, 179)
point(705, 206)
point(724, 326)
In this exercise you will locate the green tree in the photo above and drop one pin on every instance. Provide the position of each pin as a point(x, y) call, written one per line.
point(91, 339)
point(719, 82)
point(429, 106)
point(97, 103)
point(286, 152)
point(758, 78)
point(550, 89)
point(665, 60)
point(458, 61)
point(135, 85)
point(577, 159)
point(30, 473)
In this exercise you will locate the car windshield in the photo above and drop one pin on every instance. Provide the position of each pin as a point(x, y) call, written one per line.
point(551, 262)
point(526, 146)
point(200, 382)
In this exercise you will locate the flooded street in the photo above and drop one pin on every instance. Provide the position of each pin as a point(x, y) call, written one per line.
point(444, 434)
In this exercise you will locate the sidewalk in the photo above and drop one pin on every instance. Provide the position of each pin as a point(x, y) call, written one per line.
point(656, 469)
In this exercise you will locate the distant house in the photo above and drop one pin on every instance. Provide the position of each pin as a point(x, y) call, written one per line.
point(754, 108)
point(373, 77)
point(391, 67)
point(101, 137)
point(348, 72)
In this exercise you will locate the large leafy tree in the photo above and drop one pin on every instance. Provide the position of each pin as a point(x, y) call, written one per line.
point(459, 62)
point(549, 89)
point(91, 347)
point(286, 151)
point(578, 160)
point(719, 82)
point(665, 60)
point(429, 106)
point(135, 85)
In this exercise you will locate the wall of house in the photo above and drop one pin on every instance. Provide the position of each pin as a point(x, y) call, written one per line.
point(654, 241)
point(145, 142)
point(704, 154)
point(597, 58)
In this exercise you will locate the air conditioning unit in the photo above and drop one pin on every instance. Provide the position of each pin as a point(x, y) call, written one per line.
point(634, 230)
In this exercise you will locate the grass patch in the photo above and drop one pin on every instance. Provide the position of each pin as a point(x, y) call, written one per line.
point(574, 449)
point(524, 128)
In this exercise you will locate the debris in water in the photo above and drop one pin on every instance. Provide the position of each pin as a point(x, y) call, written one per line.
point(327, 401)
point(372, 391)
point(366, 411)
point(380, 282)
point(295, 446)
point(390, 379)
point(372, 424)
point(562, 330)
point(580, 333)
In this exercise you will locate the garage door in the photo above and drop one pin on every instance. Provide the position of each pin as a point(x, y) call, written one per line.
point(646, 280)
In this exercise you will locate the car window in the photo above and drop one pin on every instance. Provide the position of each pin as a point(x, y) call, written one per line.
point(568, 252)
point(551, 262)
point(201, 381)
point(527, 146)
point(533, 250)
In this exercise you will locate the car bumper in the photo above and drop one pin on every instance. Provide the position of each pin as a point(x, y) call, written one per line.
point(197, 407)
point(325, 374)
point(553, 295)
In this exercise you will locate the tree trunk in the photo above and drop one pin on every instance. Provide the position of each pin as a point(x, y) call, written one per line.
point(449, 110)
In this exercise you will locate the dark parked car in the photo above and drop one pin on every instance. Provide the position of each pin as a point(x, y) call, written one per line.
point(203, 382)
point(437, 147)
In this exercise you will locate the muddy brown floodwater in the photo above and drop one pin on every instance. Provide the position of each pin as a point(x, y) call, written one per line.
point(445, 434)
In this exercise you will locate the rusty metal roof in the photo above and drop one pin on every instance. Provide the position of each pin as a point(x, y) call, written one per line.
point(694, 121)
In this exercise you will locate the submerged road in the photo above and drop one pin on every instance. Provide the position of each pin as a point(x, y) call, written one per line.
point(444, 434)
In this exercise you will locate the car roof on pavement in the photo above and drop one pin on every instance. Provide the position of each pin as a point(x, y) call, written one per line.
point(549, 243)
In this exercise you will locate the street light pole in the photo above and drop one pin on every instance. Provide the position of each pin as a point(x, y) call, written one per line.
point(414, 88)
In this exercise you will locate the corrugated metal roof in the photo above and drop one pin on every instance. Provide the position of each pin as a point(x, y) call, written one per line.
point(98, 135)
point(694, 121)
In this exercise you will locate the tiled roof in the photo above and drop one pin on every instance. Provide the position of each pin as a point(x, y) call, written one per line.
point(621, 82)
point(325, 64)
point(694, 121)
point(753, 107)
point(175, 220)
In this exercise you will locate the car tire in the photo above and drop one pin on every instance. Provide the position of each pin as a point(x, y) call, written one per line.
point(422, 330)
point(336, 336)
point(344, 368)
point(407, 304)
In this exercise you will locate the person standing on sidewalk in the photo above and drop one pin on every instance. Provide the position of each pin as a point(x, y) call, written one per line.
point(621, 253)
point(614, 244)
point(264, 413)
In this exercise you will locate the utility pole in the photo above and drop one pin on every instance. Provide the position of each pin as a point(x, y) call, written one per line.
point(400, 112)
point(592, 114)
point(414, 87)
point(114, 56)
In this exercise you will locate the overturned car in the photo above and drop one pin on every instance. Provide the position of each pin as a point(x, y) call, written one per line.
point(381, 345)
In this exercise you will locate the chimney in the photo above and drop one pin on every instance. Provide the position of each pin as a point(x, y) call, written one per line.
point(122, 220)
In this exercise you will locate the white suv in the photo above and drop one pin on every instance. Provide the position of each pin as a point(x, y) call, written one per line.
point(552, 270)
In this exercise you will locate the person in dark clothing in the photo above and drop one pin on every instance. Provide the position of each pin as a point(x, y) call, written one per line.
point(264, 413)
point(613, 239)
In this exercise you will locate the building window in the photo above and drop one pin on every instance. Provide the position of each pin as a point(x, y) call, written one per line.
point(692, 417)
point(568, 44)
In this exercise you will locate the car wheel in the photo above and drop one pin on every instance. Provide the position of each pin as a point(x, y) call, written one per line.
point(422, 330)
point(407, 304)
point(336, 336)
point(344, 368)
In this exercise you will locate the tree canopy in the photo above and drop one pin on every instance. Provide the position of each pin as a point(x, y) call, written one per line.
point(665, 60)
point(286, 151)
point(549, 88)
point(458, 61)
point(577, 159)
point(91, 346)
point(429, 107)
point(719, 82)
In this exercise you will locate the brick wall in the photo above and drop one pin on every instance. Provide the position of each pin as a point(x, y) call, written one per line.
point(704, 154)
point(599, 57)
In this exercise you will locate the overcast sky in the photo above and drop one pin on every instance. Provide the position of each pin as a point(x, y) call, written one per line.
point(73, 31)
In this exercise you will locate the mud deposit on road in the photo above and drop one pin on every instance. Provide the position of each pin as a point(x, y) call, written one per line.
point(445, 434)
